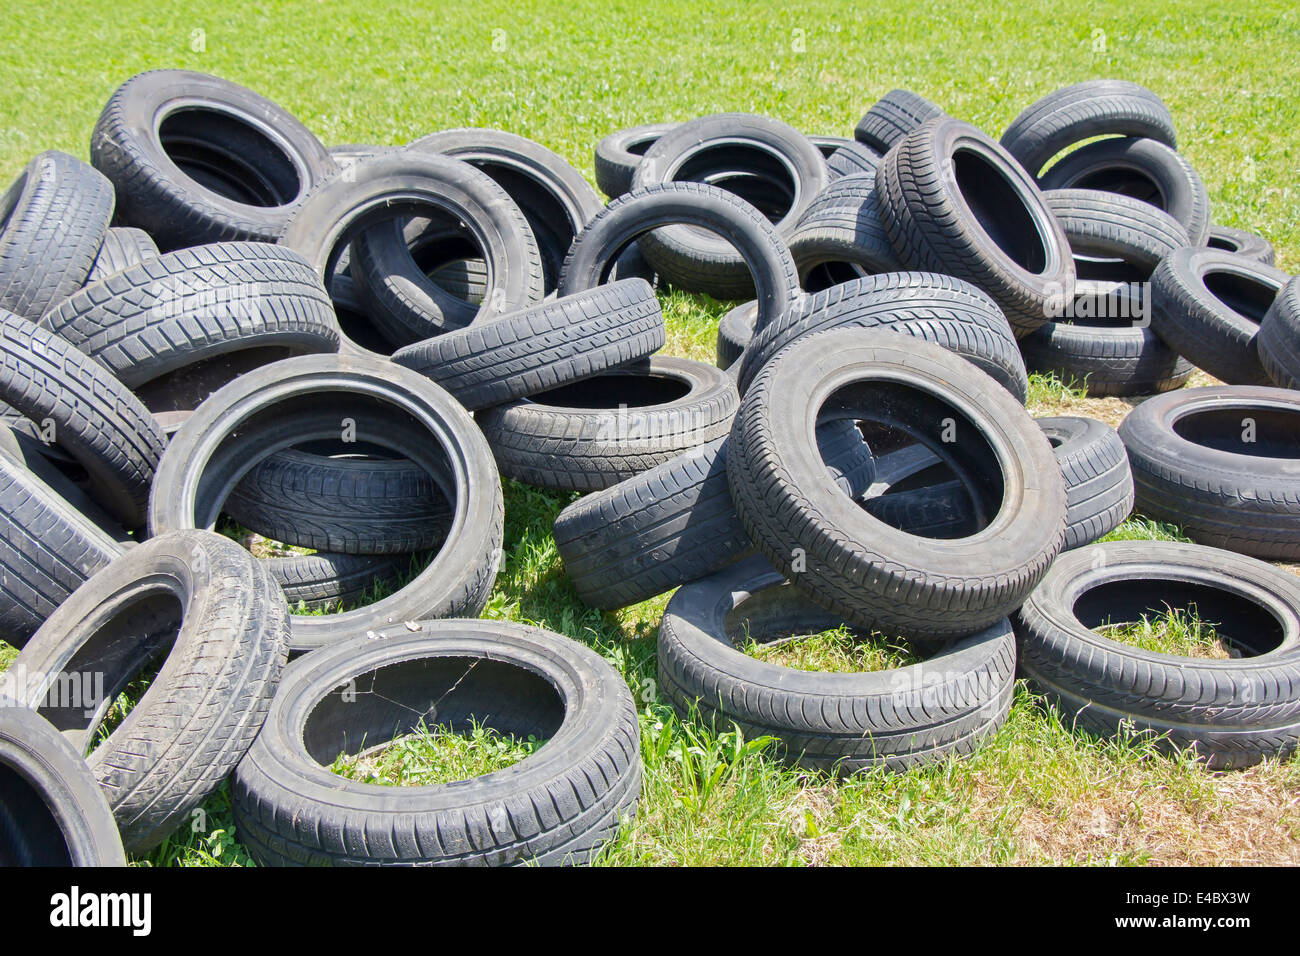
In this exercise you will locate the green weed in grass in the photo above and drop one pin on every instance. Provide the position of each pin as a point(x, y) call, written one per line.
point(1177, 631)
point(433, 755)
point(838, 650)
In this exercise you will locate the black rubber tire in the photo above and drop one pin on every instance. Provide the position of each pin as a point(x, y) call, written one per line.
point(221, 622)
point(1104, 342)
point(52, 812)
point(1230, 713)
point(841, 237)
point(937, 308)
point(892, 117)
point(557, 806)
point(1142, 169)
point(899, 719)
point(953, 201)
point(47, 550)
point(1243, 243)
point(716, 150)
point(278, 406)
point(554, 197)
point(1098, 482)
point(1225, 492)
point(326, 580)
point(735, 331)
point(94, 418)
point(675, 522)
point(171, 316)
point(839, 555)
point(619, 154)
point(646, 208)
point(53, 220)
point(342, 505)
point(553, 344)
point(827, 145)
point(1218, 334)
point(1278, 341)
point(238, 165)
point(345, 209)
point(592, 443)
point(1083, 111)
point(1104, 225)
point(852, 160)
point(941, 510)
point(123, 246)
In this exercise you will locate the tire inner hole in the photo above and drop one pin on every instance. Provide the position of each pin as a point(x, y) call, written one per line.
point(1000, 210)
point(1258, 432)
point(230, 157)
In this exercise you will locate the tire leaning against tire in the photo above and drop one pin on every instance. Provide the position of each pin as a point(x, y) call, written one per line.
point(52, 812)
point(93, 416)
point(1249, 244)
point(558, 805)
point(1216, 333)
point(1233, 713)
point(892, 117)
point(548, 444)
point(735, 331)
point(869, 573)
point(1238, 487)
point(237, 169)
point(544, 347)
point(123, 246)
point(900, 718)
point(1279, 337)
point(937, 308)
point(1082, 111)
point(53, 220)
point(220, 621)
point(706, 207)
point(1098, 482)
point(620, 153)
point(943, 215)
point(841, 237)
point(452, 187)
point(273, 408)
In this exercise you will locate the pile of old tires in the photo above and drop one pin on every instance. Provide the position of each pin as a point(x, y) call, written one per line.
point(335, 355)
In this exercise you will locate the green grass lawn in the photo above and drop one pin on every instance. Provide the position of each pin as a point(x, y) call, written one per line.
point(566, 74)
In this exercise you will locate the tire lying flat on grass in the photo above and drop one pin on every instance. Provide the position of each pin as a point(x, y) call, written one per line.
point(557, 806)
point(1208, 306)
point(52, 812)
point(320, 397)
point(870, 574)
point(218, 162)
point(899, 718)
point(219, 623)
point(1232, 713)
point(955, 202)
point(1222, 463)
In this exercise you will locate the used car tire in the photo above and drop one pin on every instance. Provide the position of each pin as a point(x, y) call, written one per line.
point(735, 331)
point(387, 185)
point(1222, 463)
point(900, 718)
point(1208, 306)
point(549, 345)
point(52, 812)
point(867, 572)
point(620, 153)
point(1107, 226)
point(595, 433)
point(219, 620)
point(1143, 169)
point(953, 201)
point(91, 414)
point(169, 317)
point(762, 161)
point(1082, 111)
point(645, 208)
point(1231, 713)
point(892, 117)
point(675, 522)
point(841, 237)
point(557, 806)
point(1098, 482)
point(1249, 244)
point(937, 308)
point(328, 580)
point(279, 405)
point(123, 246)
point(852, 159)
point(1279, 337)
point(216, 163)
point(53, 220)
